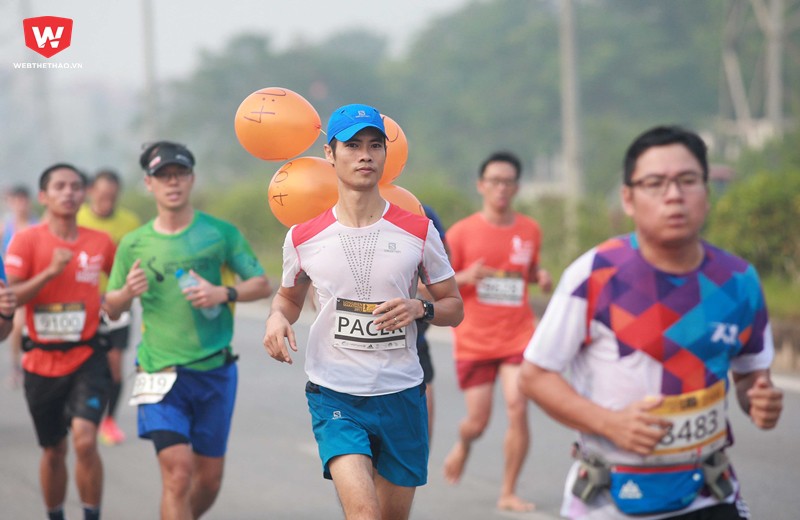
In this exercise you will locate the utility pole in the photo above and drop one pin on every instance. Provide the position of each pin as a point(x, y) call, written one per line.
point(570, 127)
point(151, 125)
point(43, 113)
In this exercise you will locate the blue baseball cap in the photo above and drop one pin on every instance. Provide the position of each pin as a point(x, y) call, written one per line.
point(347, 121)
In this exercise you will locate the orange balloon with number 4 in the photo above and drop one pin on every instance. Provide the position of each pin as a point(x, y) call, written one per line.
point(301, 189)
point(276, 124)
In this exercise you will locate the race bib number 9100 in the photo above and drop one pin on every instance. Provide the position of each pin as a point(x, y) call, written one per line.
point(59, 321)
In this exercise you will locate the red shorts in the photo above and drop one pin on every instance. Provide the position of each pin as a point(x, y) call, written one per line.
point(474, 372)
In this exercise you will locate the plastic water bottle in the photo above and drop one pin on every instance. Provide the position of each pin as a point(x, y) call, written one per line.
point(185, 279)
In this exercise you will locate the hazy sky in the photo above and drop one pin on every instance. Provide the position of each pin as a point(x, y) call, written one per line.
point(107, 35)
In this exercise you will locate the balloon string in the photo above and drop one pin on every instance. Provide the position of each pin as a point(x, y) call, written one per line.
point(323, 132)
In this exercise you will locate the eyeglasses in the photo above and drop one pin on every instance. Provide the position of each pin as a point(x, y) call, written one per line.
point(177, 173)
point(658, 185)
point(494, 182)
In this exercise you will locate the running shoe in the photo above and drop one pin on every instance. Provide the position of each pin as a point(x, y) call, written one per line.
point(110, 433)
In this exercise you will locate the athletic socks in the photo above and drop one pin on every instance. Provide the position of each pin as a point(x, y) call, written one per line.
point(56, 513)
point(113, 398)
point(91, 513)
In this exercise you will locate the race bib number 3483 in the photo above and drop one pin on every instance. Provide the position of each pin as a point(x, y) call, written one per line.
point(698, 425)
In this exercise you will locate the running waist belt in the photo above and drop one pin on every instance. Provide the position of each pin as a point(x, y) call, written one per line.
point(97, 342)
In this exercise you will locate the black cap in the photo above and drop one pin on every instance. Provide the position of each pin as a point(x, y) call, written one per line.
point(159, 154)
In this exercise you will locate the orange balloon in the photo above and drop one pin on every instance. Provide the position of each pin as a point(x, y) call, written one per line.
point(276, 124)
point(302, 189)
point(396, 150)
point(401, 197)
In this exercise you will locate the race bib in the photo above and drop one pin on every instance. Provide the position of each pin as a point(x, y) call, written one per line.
point(354, 328)
point(699, 425)
point(151, 388)
point(506, 290)
point(59, 321)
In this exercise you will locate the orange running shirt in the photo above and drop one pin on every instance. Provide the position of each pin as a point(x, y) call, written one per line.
point(67, 308)
point(498, 320)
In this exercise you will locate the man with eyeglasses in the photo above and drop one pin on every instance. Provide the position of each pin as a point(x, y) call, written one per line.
point(649, 325)
point(495, 253)
point(186, 382)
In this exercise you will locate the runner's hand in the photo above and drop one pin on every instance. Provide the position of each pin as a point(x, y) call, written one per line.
point(59, 260)
point(475, 273)
point(635, 429)
point(278, 328)
point(396, 313)
point(8, 300)
point(766, 403)
point(205, 294)
point(136, 282)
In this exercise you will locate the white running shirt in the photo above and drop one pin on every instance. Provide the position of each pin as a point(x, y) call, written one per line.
point(352, 270)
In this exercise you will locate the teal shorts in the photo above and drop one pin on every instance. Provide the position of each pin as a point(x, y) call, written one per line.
point(391, 429)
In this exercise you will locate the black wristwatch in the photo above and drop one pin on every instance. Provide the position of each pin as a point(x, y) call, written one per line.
point(233, 294)
point(427, 310)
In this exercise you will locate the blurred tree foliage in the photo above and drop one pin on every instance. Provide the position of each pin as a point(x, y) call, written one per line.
point(757, 218)
point(486, 77)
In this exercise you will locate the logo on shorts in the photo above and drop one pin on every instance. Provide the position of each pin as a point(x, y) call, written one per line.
point(93, 402)
point(47, 35)
point(337, 414)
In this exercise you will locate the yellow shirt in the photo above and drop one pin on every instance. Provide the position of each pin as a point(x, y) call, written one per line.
point(120, 223)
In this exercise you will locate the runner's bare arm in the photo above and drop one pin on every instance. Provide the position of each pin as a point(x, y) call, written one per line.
point(206, 294)
point(26, 289)
point(632, 428)
point(759, 398)
point(8, 304)
point(286, 307)
point(399, 312)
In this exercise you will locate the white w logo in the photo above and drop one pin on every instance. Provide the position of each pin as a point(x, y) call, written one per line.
point(46, 35)
point(726, 333)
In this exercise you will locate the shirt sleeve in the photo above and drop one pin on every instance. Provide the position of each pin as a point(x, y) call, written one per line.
point(241, 257)
point(291, 261)
point(564, 326)
point(435, 264)
point(122, 264)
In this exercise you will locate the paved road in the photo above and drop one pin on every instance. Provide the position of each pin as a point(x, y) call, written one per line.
point(273, 471)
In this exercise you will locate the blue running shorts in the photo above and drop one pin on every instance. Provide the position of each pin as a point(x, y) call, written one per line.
point(391, 429)
point(199, 406)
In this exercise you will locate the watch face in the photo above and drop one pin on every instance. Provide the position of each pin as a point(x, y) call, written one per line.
point(428, 308)
point(232, 294)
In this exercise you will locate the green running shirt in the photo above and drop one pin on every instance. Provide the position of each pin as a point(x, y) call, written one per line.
point(175, 333)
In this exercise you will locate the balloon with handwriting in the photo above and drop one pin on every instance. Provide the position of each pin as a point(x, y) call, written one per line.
point(401, 197)
point(396, 150)
point(276, 124)
point(301, 189)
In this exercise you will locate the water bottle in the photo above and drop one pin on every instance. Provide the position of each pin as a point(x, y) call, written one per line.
point(185, 279)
